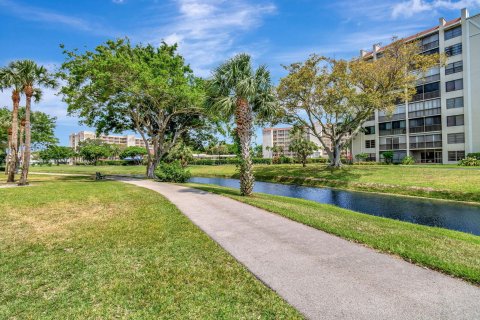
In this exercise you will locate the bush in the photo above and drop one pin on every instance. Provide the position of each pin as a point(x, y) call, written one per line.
point(172, 172)
point(387, 156)
point(469, 162)
point(475, 155)
point(408, 160)
point(361, 157)
point(366, 163)
point(317, 160)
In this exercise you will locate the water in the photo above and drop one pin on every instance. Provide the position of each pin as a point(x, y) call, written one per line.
point(449, 215)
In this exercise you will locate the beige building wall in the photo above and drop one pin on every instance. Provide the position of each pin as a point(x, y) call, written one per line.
point(123, 141)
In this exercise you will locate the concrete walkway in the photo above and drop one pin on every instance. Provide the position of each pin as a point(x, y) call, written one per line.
point(321, 275)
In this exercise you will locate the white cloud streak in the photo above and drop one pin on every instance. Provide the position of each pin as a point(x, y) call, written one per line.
point(207, 31)
point(412, 7)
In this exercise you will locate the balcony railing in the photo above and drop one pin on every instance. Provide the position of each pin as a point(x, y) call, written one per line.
point(393, 146)
point(425, 145)
point(393, 131)
point(435, 127)
point(393, 117)
point(432, 78)
point(426, 95)
point(425, 113)
point(430, 45)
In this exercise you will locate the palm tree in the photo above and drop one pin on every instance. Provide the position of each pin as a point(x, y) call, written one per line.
point(246, 95)
point(10, 79)
point(32, 77)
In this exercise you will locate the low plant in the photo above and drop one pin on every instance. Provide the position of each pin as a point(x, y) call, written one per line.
point(475, 155)
point(388, 156)
point(361, 157)
point(408, 160)
point(469, 162)
point(172, 172)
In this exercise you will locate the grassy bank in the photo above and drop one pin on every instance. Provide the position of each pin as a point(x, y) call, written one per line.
point(72, 248)
point(448, 251)
point(442, 182)
point(135, 170)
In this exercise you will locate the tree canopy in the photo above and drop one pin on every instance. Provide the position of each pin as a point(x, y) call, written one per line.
point(149, 90)
point(333, 98)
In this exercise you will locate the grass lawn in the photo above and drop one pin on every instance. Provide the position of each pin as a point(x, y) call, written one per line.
point(135, 170)
point(452, 252)
point(73, 248)
point(444, 182)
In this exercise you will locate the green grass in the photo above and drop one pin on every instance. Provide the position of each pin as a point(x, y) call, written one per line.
point(72, 248)
point(442, 182)
point(454, 253)
point(135, 170)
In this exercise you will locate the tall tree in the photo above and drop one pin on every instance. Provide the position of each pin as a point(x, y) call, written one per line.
point(333, 98)
point(149, 90)
point(238, 91)
point(10, 79)
point(32, 78)
point(301, 145)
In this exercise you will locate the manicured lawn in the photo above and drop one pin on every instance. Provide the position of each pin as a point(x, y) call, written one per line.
point(444, 182)
point(136, 170)
point(452, 252)
point(72, 248)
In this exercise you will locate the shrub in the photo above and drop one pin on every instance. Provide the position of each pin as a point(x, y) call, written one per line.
point(408, 160)
point(475, 155)
point(317, 160)
point(388, 156)
point(361, 157)
point(172, 172)
point(115, 162)
point(366, 163)
point(469, 162)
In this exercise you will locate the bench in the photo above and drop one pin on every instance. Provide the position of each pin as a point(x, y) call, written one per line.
point(99, 176)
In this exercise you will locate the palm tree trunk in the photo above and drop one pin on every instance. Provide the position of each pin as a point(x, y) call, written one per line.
point(243, 118)
point(28, 137)
point(12, 166)
point(21, 153)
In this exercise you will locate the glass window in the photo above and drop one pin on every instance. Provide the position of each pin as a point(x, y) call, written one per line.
point(432, 87)
point(453, 33)
point(456, 137)
point(456, 155)
point(455, 103)
point(454, 85)
point(370, 130)
point(453, 121)
point(369, 143)
point(454, 67)
point(453, 50)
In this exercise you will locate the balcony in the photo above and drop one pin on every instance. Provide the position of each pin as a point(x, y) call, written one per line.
point(389, 132)
point(429, 46)
point(432, 78)
point(425, 145)
point(426, 96)
point(435, 127)
point(425, 113)
point(393, 146)
point(399, 116)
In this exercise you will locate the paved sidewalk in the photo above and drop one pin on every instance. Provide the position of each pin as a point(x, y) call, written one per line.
point(323, 276)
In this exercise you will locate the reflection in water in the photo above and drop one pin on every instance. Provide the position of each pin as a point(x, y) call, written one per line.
point(449, 215)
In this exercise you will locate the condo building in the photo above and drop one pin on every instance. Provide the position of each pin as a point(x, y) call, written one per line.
point(123, 141)
point(441, 122)
point(280, 137)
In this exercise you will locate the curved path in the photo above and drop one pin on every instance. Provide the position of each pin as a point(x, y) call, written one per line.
point(323, 276)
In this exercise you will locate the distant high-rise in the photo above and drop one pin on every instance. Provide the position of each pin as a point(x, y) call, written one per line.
point(123, 141)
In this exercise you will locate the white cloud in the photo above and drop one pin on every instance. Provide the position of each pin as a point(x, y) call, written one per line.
point(207, 31)
point(118, 1)
point(411, 7)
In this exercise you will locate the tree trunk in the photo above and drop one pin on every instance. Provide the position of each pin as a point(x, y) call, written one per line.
point(151, 169)
point(12, 166)
point(243, 118)
point(336, 161)
point(20, 153)
point(28, 137)
point(304, 162)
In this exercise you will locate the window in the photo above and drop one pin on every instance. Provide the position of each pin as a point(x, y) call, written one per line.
point(385, 126)
point(455, 103)
point(369, 143)
point(453, 50)
point(370, 130)
point(453, 121)
point(456, 155)
point(456, 138)
point(454, 67)
point(435, 86)
point(430, 42)
point(399, 124)
point(453, 33)
point(454, 85)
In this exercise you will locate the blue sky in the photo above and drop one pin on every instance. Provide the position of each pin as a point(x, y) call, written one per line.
point(209, 31)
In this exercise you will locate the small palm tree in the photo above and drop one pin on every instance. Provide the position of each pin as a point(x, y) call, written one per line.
point(246, 95)
point(10, 79)
point(32, 77)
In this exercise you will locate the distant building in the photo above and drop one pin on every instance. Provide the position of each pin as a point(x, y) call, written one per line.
point(123, 141)
point(280, 137)
point(440, 123)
